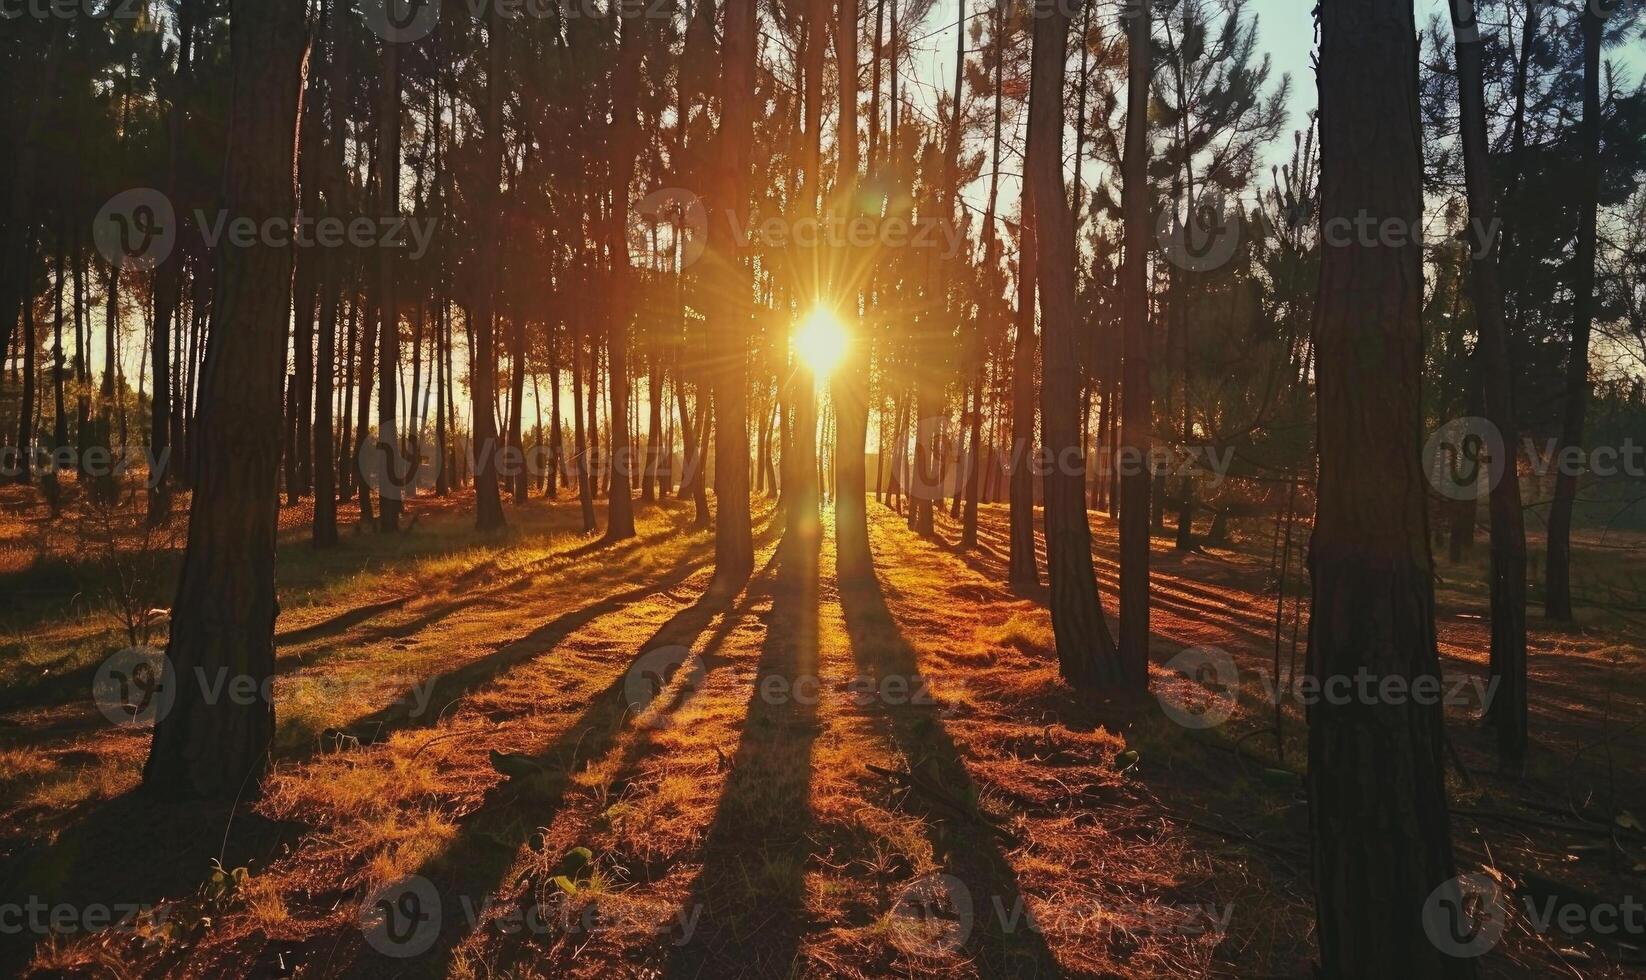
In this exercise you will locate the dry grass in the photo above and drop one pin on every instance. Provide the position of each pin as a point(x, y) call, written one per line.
point(738, 824)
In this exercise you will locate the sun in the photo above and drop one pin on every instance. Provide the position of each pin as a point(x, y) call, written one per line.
point(821, 341)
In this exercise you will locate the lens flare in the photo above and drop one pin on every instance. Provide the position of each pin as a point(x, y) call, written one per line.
point(821, 341)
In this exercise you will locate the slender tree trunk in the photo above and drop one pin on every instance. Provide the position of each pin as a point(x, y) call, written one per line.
point(223, 617)
point(585, 485)
point(625, 148)
point(325, 383)
point(25, 413)
point(557, 445)
point(1086, 652)
point(1135, 403)
point(986, 311)
point(654, 428)
point(1558, 589)
point(168, 284)
point(519, 478)
point(1381, 835)
point(60, 436)
point(394, 484)
point(488, 502)
point(15, 260)
point(1508, 572)
point(850, 384)
point(1023, 565)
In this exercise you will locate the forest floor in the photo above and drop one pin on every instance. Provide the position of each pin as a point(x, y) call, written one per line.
point(542, 754)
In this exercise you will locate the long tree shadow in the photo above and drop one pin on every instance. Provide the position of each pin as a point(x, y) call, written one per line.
point(751, 887)
point(469, 872)
point(127, 856)
point(999, 938)
point(423, 706)
point(134, 851)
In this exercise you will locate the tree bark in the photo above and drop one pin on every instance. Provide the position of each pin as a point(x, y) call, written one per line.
point(850, 385)
point(1381, 836)
point(223, 617)
point(1507, 712)
point(1558, 589)
point(388, 330)
point(1135, 400)
point(488, 502)
point(734, 533)
point(1023, 567)
point(625, 148)
point(1086, 652)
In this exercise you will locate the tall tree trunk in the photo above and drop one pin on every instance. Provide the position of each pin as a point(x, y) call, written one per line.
point(25, 413)
point(168, 283)
point(1508, 572)
point(488, 502)
point(1557, 601)
point(850, 384)
point(580, 445)
point(60, 436)
point(986, 312)
point(519, 478)
point(557, 445)
point(1381, 834)
point(394, 484)
point(1023, 567)
point(728, 328)
point(331, 285)
point(625, 149)
point(1135, 399)
point(15, 261)
point(801, 499)
point(1086, 652)
point(654, 428)
point(223, 617)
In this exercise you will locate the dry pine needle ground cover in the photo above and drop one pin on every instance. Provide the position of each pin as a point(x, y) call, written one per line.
point(823, 777)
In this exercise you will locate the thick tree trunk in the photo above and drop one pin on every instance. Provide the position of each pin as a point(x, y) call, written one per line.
point(1558, 590)
point(223, 617)
point(1381, 835)
point(1135, 398)
point(1086, 652)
